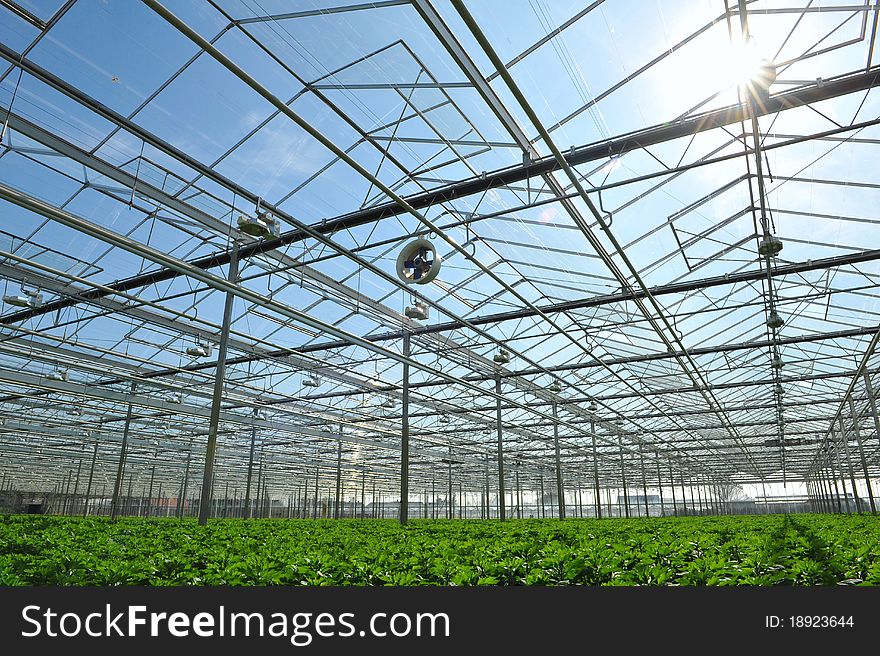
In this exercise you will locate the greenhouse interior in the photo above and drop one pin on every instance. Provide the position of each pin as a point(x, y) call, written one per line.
point(439, 260)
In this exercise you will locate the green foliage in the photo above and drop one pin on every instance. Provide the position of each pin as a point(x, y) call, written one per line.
point(763, 550)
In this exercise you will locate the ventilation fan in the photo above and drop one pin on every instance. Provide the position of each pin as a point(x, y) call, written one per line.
point(418, 262)
point(417, 310)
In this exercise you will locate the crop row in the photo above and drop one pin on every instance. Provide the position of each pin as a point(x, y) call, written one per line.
point(761, 550)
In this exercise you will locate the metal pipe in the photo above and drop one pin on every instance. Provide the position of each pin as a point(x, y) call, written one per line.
point(217, 399)
point(336, 507)
point(404, 436)
point(114, 501)
point(560, 491)
point(858, 432)
point(502, 515)
point(250, 470)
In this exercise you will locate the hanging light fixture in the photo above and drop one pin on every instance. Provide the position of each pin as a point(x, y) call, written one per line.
point(264, 225)
point(199, 350)
point(388, 403)
point(770, 246)
point(776, 362)
point(501, 357)
point(26, 299)
point(417, 310)
point(554, 387)
point(311, 380)
point(774, 321)
point(592, 407)
point(59, 375)
point(779, 389)
point(176, 398)
point(444, 419)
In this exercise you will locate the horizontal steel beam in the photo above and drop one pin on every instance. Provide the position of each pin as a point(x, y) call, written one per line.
point(651, 136)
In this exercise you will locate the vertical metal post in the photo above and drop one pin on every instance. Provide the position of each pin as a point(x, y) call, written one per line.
point(502, 513)
point(660, 489)
point(872, 403)
point(250, 470)
point(76, 485)
point(672, 486)
point(449, 510)
point(404, 437)
point(543, 509)
point(597, 494)
point(858, 432)
point(836, 489)
point(852, 475)
point(66, 500)
point(117, 487)
point(184, 489)
point(363, 486)
point(560, 491)
point(336, 507)
point(217, 398)
point(260, 487)
point(623, 474)
point(315, 500)
point(152, 480)
point(644, 480)
point(127, 505)
point(518, 494)
point(683, 494)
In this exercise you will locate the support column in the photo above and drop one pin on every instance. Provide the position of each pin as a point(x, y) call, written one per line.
point(543, 510)
point(117, 487)
point(449, 508)
point(836, 489)
point(852, 474)
point(363, 490)
point(502, 512)
point(250, 470)
point(644, 480)
point(337, 510)
point(315, 500)
point(858, 432)
point(597, 495)
point(623, 474)
point(184, 488)
point(672, 486)
point(873, 404)
point(404, 437)
point(518, 493)
point(217, 399)
point(560, 491)
point(660, 489)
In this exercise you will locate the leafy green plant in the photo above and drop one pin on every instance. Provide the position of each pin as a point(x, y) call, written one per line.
point(759, 550)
